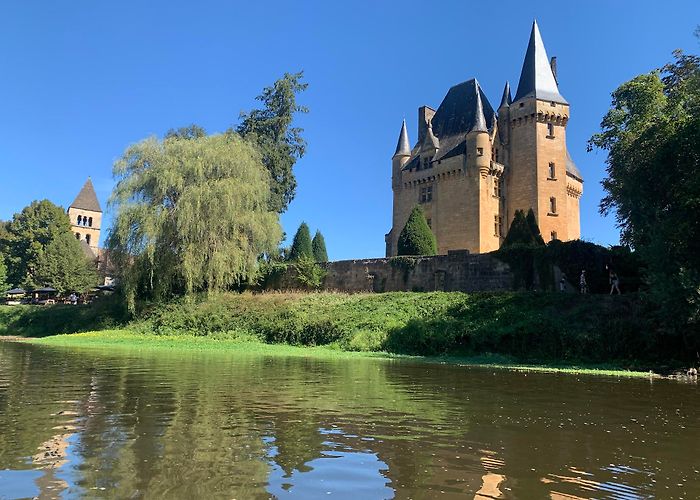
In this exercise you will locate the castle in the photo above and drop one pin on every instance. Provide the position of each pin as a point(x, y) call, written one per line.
point(472, 167)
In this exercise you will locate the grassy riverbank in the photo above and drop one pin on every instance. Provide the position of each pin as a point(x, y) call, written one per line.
point(125, 339)
point(520, 328)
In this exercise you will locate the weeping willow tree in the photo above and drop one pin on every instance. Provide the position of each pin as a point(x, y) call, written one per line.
point(191, 215)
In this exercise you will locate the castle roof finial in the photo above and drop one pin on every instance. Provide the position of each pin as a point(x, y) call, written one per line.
point(403, 147)
point(479, 118)
point(536, 77)
point(506, 99)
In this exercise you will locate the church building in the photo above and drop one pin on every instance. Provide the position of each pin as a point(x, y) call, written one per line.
point(85, 216)
point(472, 166)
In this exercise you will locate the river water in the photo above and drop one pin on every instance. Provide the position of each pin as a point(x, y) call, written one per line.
point(97, 423)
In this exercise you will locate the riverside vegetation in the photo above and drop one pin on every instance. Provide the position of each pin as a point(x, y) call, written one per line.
point(518, 327)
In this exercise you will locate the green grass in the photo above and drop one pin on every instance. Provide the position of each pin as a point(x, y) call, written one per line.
point(524, 329)
point(131, 340)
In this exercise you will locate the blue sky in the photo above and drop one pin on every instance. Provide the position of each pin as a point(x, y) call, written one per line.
point(81, 80)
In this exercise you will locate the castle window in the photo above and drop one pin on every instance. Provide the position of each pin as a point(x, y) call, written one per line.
point(553, 236)
point(522, 104)
point(552, 205)
point(87, 238)
point(550, 130)
point(553, 104)
point(426, 194)
point(426, 163)
point(479, 151)
point(80, 219)
point(497, 225)
point(77, 236)
point(552, 170)
point(497, 187)
point(90, 221)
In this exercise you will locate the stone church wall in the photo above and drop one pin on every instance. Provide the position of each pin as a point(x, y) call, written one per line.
point(457, 271)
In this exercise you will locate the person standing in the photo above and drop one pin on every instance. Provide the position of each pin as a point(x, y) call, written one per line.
point(582, 282)
point(614, 282)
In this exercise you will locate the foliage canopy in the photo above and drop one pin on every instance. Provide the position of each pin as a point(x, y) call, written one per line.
point(318, 244)
point(40, 249)
point(652, 137)
point(416, 238)
point(280, 144)
point(192, 214)
point(301, 245)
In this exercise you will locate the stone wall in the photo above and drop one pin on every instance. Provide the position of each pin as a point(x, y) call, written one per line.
point(457, 271)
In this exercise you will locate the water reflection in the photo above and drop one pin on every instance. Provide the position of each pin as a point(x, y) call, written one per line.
point(159, 424)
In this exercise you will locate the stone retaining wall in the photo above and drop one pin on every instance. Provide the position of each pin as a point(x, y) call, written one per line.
point(456, 271)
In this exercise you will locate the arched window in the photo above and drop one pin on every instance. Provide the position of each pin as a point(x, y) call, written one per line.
point(87, 239)
point(80, 219)
point(84, 220)
point(77, 236)
point(90, 221)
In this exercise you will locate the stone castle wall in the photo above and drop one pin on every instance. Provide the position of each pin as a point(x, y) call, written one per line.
point(457, 271)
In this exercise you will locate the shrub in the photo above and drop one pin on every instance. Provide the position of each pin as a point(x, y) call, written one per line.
point(301, 246)
point(309, 274)
point(416, 238)
point(318, 245)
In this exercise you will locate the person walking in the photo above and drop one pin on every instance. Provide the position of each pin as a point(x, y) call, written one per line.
point(582, 282)
point(614, 283)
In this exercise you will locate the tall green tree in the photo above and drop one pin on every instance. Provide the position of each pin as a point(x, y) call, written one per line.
point(64, 265)
point(318, 245)
point(301, 245)
point(26, 237)
point(279, 142)
point(192, 215)
point(523, 231)
point(4, 286)
point(652, 137)
point(193, 131)
point(534, 227)
point(416, 238)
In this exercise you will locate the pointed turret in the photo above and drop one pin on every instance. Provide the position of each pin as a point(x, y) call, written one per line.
point(87, 198)
point(479, 118)
point(536, 77)
point(403, 146)
point(430, 141)
point(506, 99)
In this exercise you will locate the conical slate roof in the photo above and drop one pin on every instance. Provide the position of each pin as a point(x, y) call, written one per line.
point(479, 118)
point(403, 147)
point(536, 77)
point(506, 99)
point(571, 167)
point(87, 198)
point(457, 114)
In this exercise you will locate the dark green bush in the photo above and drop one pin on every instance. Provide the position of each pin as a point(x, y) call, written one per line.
point(416, 238)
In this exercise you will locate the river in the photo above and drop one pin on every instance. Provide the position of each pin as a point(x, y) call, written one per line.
point(158, 423)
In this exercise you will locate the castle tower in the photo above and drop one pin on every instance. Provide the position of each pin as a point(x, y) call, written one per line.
point(538, 174)
point(401, 156)
point(86, 216)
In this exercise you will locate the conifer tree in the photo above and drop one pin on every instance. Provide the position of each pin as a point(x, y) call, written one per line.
point(534, 228)
point(416, 238)
point(3, 274)
point(519, 232)
point(318, 245)
point(301, 245)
